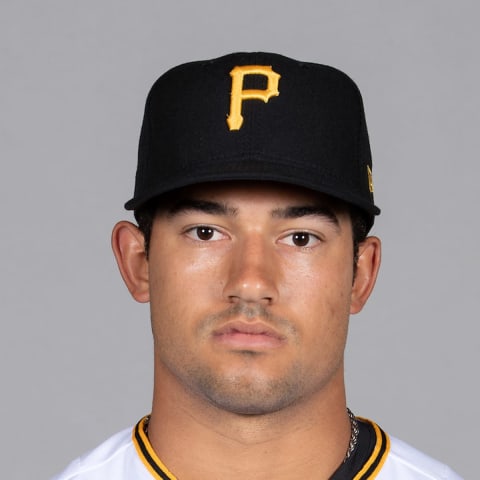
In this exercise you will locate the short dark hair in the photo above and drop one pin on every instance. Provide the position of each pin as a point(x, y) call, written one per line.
point(360, 221)
point(144, 217)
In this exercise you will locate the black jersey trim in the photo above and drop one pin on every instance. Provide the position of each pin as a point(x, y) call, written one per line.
point(147, 455)
point(379, 454)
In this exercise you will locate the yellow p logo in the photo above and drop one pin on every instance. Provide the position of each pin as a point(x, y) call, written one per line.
point(238, 95)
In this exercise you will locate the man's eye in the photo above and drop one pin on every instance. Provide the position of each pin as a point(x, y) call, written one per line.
point(204, 233)
point(301, 239)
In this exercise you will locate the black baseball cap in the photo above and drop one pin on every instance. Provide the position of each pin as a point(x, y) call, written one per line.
point(255, 116)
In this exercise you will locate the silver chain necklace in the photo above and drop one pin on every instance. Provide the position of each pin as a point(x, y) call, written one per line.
point(354, 431)
point(353, 435)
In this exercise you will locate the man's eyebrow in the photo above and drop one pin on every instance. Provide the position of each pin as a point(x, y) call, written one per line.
point(305, 211)
point(185, 205)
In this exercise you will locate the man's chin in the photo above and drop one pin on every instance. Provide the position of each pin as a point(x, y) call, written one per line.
point(251, 397)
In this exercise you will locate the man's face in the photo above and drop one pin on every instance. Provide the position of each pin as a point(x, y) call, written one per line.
point(250, 286)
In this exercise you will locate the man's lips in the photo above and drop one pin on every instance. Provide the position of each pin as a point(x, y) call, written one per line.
point(248, 335)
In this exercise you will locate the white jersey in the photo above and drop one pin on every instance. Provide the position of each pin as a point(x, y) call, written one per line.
point(128, 455)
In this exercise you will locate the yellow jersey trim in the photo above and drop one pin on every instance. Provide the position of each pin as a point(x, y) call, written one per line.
point(374, 464)
point(147, 455)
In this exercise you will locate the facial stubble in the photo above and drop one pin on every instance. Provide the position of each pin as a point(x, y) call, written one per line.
point(246, 389)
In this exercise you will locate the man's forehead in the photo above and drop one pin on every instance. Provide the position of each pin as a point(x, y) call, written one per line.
point(233, 194)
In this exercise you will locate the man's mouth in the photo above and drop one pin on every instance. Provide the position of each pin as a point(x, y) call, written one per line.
point(241, 335)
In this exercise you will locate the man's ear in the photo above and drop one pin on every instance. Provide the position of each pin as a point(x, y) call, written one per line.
point(129, 249)
point(369, 254)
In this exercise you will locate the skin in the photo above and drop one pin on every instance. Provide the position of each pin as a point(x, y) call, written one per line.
point(250, 287)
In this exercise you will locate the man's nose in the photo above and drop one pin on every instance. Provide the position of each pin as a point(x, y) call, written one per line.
point(253, 272)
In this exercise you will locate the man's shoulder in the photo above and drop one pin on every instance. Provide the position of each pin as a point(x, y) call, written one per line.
point(405, 462)
point(114, 458)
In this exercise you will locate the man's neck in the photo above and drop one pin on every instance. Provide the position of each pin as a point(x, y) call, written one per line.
point(308, 440)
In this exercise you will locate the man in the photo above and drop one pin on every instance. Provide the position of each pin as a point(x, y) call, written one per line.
point(254, 198)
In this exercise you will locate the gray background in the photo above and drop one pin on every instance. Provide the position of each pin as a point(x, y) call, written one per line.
point(75, 349)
